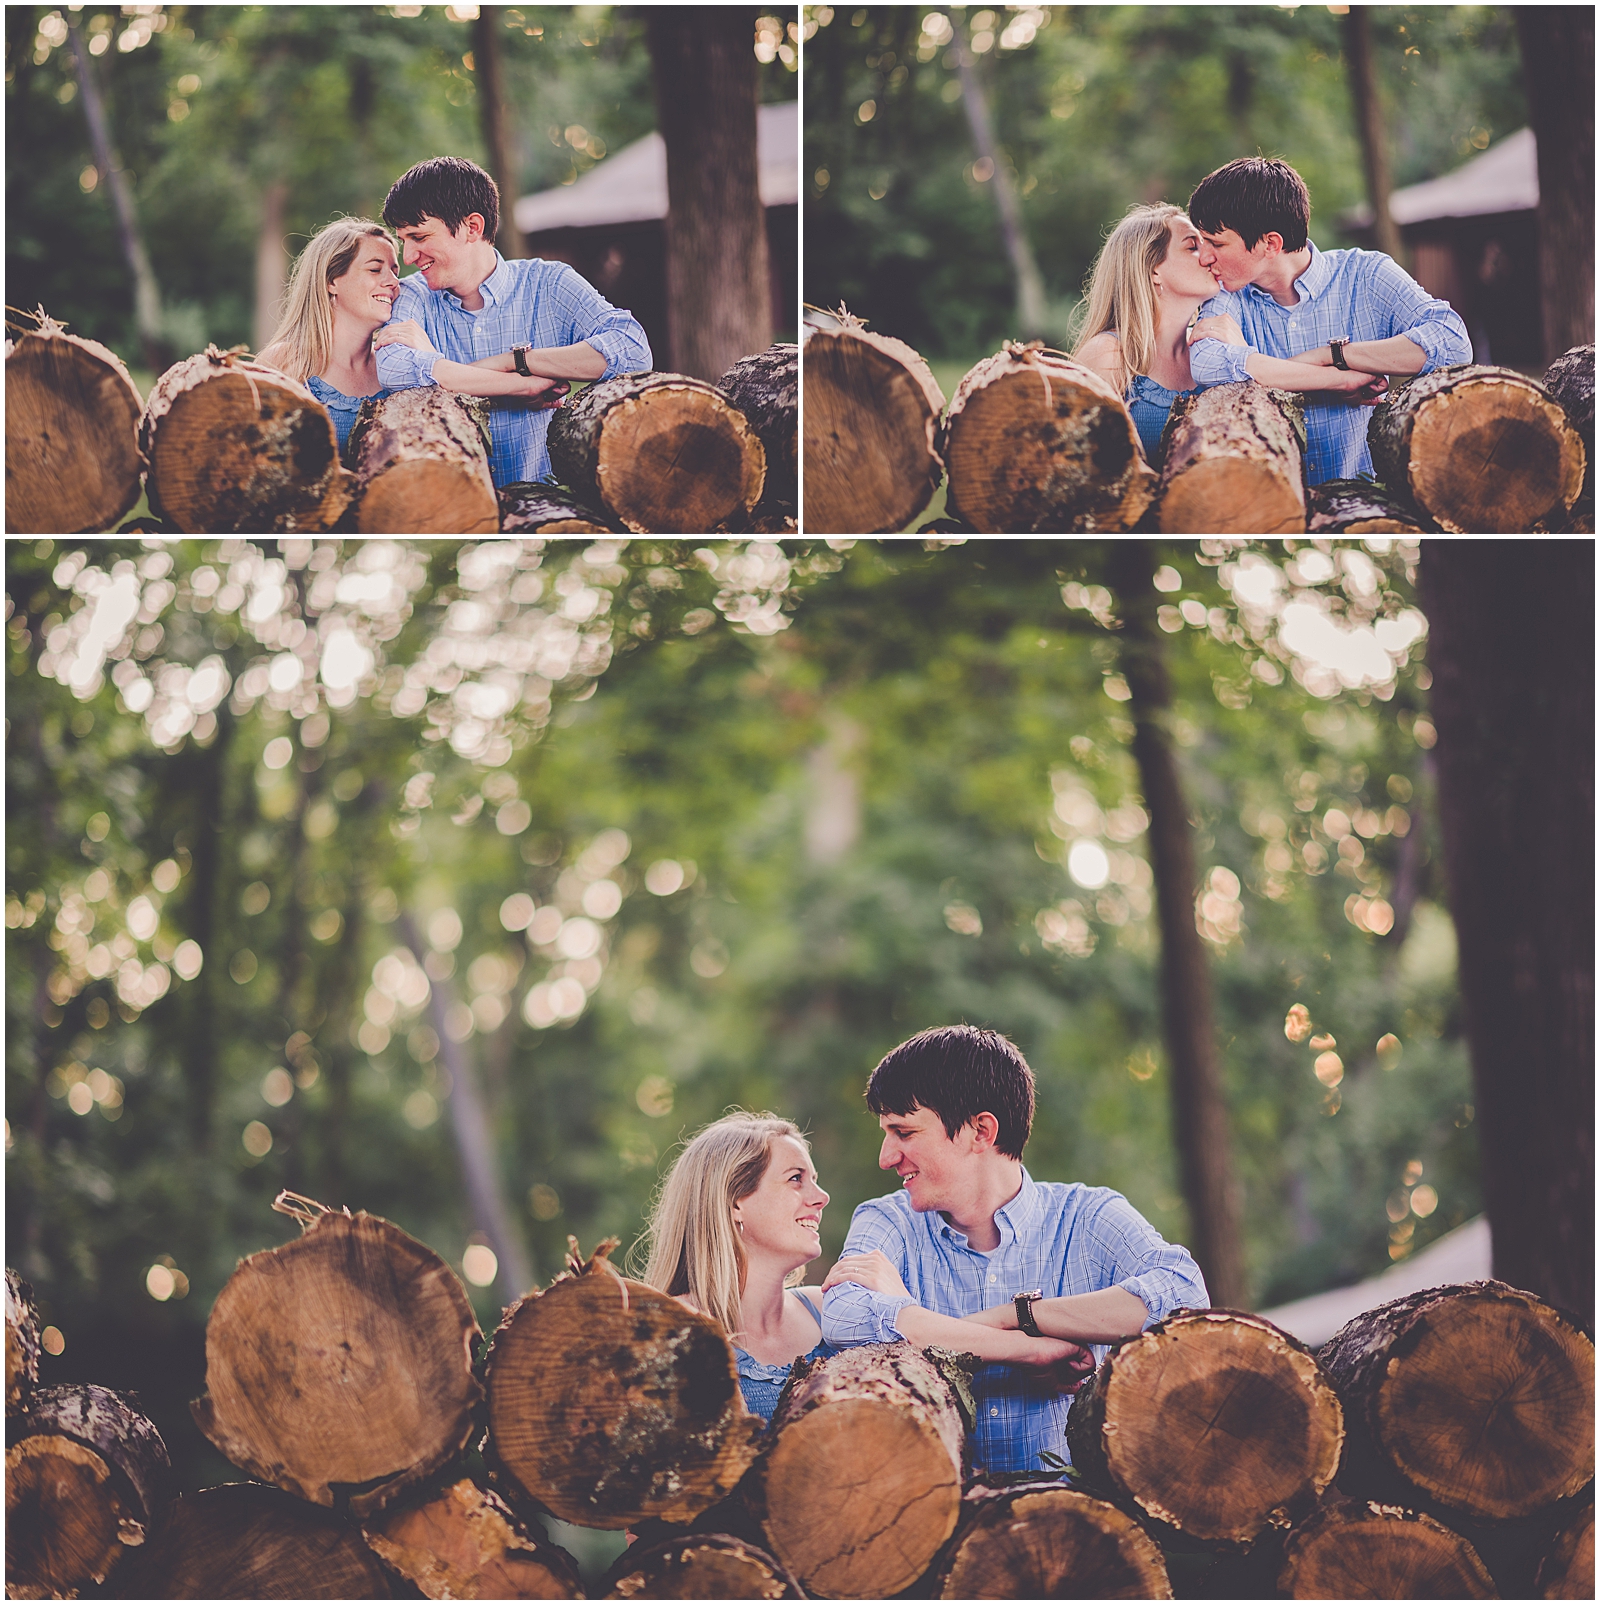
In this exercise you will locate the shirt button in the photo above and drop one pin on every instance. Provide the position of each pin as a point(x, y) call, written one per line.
point(993, 1277)
point(994, 1409)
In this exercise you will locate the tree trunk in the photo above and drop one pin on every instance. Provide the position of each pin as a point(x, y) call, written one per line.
point(22, 1342)
point(421, 462)
point(236, 447)
point(1042, 1540)
point(861, 1486)
point(1217, 1424)
point(1351, 1550)
point(1558, 68)
point(1480, 449)
point(719, 306)
point(1031, 314)
point(664, 453)
point(1370, 131)
point(475, 1147)
point(871, 431)
point(492, 123)
point(72, 434)
point(1567, 1570)
point(766, 389)
point(271, 262)
point(548, 510)
point(86, 1477)
point(1570, 379)
point(1199, 1112)
point(1478, 1397)
point(466, 1544)
point(146, 295)
point(700, 1566)
point(1038, 444)
point(1235, 463)
point(1512, 636)
point(339, 1366)
point(610, 1402)
point(1358, 507)
point(245, 1541)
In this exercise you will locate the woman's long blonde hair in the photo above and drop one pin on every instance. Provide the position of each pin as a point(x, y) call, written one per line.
point(692, 1245)
point(1119, 294)
point(303, 341)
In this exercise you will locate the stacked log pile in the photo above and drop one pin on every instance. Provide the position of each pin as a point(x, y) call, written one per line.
point(340, 1376)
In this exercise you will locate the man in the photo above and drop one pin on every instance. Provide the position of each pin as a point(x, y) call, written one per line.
point(469, 304)
point(1298, 306)
point(971, 1234)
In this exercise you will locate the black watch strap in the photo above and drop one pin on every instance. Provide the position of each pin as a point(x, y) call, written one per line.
point(1024, 1303)
point(1336, 351)
point(519, 355)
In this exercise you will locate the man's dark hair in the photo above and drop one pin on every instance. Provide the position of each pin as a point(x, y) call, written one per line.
point(448, 188)
point(959, 1072)
point(1253, 196)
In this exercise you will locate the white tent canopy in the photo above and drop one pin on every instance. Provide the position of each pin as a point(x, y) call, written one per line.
point(631, 186)
point(1458, 1256)
point(1504, 179)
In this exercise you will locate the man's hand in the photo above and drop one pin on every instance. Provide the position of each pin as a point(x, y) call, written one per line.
point(1071, 1373)
point(1355, 390)
point(407, 332)
point(542, 392)
point(1068, 1365)
point(873, 1269)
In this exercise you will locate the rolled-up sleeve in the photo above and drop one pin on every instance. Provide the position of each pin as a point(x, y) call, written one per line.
point(1213, 362)
point(1134, 1256)
point(852, 1314)
point(1423, 319)
point(613, 332)
point(404, 367)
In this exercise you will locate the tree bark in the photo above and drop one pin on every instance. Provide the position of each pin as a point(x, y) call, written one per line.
point(610, 1403)
point(421, 464)
point(1479, 1398)
point(466, 1544)
point(766, 389)
point(1234, 463)
point(1042, 1540)
point(1570, 379)
point(22, 1342)
point(246, 1541)
point(339, 1366)
point(700, 1566)
point(1359, 507)
point(87, 1476)
point(718, 297)
point(548, 510)
point(1480, 449)
point(1369, 1551)
point(1217, 1424)
point(871, 431)
point(236, 447)
point(883, 1406)
point(1558, 68)
point(72, 426)
point(146, 294)
point(486, 65)
point(1511, 636)
point(271, 262)
point(1031, 314)
point(1357, 26)
point(1199, 1111)
point(1039, 444)
point(662, 452)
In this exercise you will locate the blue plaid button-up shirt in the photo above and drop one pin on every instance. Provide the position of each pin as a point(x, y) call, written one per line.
point(1356, 295)
point(530, 302)
point(1063, 1237)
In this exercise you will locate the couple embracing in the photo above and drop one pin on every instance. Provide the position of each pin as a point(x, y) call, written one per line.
point(467, 321)
point(971, 1254)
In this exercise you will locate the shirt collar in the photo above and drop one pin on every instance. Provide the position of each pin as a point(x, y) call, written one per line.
point(1013, 1218)
point(495, 288)
point(1311, 283)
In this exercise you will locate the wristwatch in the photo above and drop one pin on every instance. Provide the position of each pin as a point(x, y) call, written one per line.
point(1336, 350)
point(519, 355)
point(1024, 1303)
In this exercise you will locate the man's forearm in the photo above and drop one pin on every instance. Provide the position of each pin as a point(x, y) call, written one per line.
point(1107, 1316)
point(580, 361)
point(1284, 373)
point(990, 1344)
point(1397, 354)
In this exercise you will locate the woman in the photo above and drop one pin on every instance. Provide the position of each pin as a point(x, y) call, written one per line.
point(737, 1219)
point(1142, 295)
point(341, 290)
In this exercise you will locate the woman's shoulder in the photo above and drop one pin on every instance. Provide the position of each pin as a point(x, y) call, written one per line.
point(1099, 348)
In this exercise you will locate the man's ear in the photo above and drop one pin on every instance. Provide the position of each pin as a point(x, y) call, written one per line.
point(985, 1131)
point(1272, 241)
point(473, 224)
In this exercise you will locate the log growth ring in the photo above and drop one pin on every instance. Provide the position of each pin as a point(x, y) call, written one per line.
point(1381, 1552)
point(63, 1521)
point(1234, 1413)
point(429, 496)
point(1232, 496)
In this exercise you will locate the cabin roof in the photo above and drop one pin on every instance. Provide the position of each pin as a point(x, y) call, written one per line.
point(1505, 178)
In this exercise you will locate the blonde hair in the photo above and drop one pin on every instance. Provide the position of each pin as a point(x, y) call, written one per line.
point(1119, 294)
point(692, 1245)
point(303, 341)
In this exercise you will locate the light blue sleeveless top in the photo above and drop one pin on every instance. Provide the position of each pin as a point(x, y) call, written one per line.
point(761, 1383)
point(341, 408)
point(1148, 405)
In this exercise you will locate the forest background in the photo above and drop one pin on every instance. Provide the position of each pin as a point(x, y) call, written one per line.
point(460, 882)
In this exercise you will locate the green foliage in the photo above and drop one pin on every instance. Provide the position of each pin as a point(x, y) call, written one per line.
point(762, 855)
point(1099, 107)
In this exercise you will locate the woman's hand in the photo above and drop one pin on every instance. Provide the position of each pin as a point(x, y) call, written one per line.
point(408, 332)
point(873, 1269)
point(1222, 327)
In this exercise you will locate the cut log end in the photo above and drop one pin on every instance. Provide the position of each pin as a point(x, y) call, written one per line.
point(701, 1566)
point(64, 1521)
point(1376, 1551)
point(1567, 1570)
point(1234, 464)
point(1232, 496)
point(428, 496)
